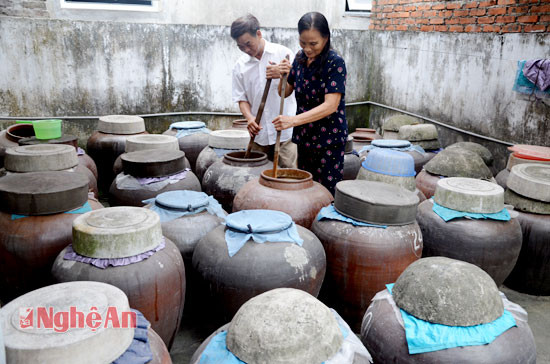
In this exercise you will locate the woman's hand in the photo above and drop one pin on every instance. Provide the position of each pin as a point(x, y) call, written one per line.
point(283, 122)
point(284, 67)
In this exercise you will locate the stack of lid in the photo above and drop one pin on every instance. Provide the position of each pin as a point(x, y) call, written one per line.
point(294, 328)
point(219, 143)
point(384, 242)
point(192, 136)
point(390, 127)
point(129, 243)
point(442, 310)
point(34, 227)
point(488, 241)
point(352, 162)
point(424, 135)
point(521, 154)
point(147, 173)
point(529, 192)
point(106, 333)
point(46, 157)
point(364, 136)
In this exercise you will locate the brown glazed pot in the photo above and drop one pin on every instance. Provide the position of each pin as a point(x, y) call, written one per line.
point(28, 247)
point(426, 183)
point(239, 124)
point(9, 138)
point(122, 197)
point(225, 178)
point(191, 144)
point(502, 177)
point(293, 192)
point(104, 148)
point(155, 286)
point(361, 261)
point(492, 245)
point(385, 339)
point(158, 349)
point(352, 164)
point(206, 158)
point(532, 271)
point(256, 268)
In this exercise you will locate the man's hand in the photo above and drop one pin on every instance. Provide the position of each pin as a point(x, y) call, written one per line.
point(283, 122)
point(272, 71)
point(253, 128)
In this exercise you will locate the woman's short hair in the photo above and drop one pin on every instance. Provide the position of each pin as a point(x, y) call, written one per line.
point(245, 24)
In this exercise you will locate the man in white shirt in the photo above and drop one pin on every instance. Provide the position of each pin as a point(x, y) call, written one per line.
point(249, 79)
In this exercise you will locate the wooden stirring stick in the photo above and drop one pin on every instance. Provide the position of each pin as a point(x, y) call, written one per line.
point(258, 117)
point(278, 142)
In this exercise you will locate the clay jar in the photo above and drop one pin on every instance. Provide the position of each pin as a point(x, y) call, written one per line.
point(239, 124)
point(384, 336)
point(352, 162)
point(29, 245)
point(9, 138)
point(492, 245)
point(364, 136)
point(192, 141)
point(155, 285)
point(32, 345)
point(293, 192)
point(256, 268)
point(362, 259)
point(109, 141)
point(225, 178)
point(129, 188)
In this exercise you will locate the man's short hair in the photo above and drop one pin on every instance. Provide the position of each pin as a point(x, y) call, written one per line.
point(245, 24)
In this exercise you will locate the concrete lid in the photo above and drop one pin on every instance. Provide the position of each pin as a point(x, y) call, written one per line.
point(530, 180)
point(406, 182)
point(428, 144)
point(376, 202)
point(469, 195)
point(479, 149)
point(78, 345)
point(40, 157)
point(448, 292)
point(418, 132)
point(136, 143)
point(229, 139)
point(284, 325)
point(457, 162)
point(153, 163)
point(393, 123)
point(121, 124)
point(514, 159)
point(522, 203)
point(42, 193)
point(116, 232)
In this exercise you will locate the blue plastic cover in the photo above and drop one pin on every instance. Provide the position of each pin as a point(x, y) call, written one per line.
point(330, 213)
point(390, 143)
point(81, 210)
point(185, 128)
point(448, 214)
point(139, 351)
point(175, 204)
point(261, 226)
point(423, 336)
point(410, 148)
point(390, 162)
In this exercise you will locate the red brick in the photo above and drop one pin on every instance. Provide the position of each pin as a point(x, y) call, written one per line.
point(467, 20)
point(424, 7)
point(371, 26)
point(429, 14)
point(452, 21)
point(472, 28)
point(440, 28)
point(471, 4)
point(506, 2)
point(534, 28)
point(401, 27)
point(477, 12)
point(387, 9)
point(528, 19)
point(456, 28)
point(491, 29)
point(416, 14)
point(409, 21)
point(379, 27)
point(486, 20)
point(422, 21)
point(437, 21)
point(410, 8)
point(505, 19)
point(403, 14)
point(496, 11)
point(517, 9)
point(460, 13)
point(380, 15)
point(511, 28)
point(438, 7)
point(545, 18)
point(398, 8)
point(453, 6)
point(485, 4)
point(390, 27)
point(540, 9)
point(445, 14)
point(404, 2)
point(427, 28)
point(386, 21)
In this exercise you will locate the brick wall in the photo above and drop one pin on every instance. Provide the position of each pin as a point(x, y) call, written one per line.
point(24, 8)
point(494, 16)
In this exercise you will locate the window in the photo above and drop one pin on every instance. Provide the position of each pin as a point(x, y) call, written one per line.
point(128, 5)
point(358, 6)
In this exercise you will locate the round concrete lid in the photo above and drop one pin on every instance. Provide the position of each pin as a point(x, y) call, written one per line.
point(136, 143)
point(229, 139)
point(376, 202)
point(394, 122)
point(188, 125)
point(448, 292)
point(40, 157)
point(530, 180)
point(522, 203)
point(418, 132)
point(42, 193)
point(116, 232)
point(469, 195)
point(479, 149)
point(121, 124)
point(284, 325)
point(458, 162)
point(513, 160)
point(153, 163)
point(391, 143)
point(406, 182)
point(80, 344)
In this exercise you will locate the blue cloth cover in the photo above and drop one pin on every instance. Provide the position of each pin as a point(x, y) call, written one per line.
point(261, 226)
point(139, 351)
point(330, 213)
point(216, 352)
point(81, 210)
point(449, 214)
point(524, 86)
point(389, 162)
point(423, 336)
point(410, 148)
point(197, 201)
point(185, 128)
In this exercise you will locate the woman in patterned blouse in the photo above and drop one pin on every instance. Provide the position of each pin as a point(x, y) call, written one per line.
point(318, 77)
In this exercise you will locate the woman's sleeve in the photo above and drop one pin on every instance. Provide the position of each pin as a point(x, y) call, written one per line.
point(292, 75)
point(336, 80)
